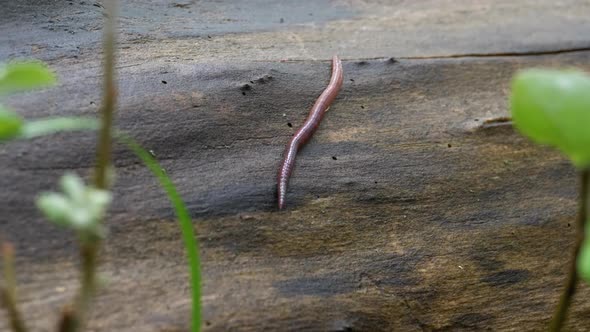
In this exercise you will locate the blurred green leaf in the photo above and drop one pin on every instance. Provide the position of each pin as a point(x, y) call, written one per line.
point(10, 124)
point(19, 76)
point(79, 207)
point(73, 187)
point(553, 107)
point(583, 263)
point(55, 207)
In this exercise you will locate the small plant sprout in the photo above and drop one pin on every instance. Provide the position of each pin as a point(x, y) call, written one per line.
point(19, 76)
point(552, 107)
point(79, 207)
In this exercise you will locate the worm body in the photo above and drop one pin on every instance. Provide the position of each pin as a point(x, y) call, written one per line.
point(304, 133)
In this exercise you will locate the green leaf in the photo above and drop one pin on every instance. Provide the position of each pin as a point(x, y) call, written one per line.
point(73, 187)
point(55, 207)
point(80, 207)
point(186, 226)
point(10, 124)
point(19, 76)
point(552, 107)
point(584, 263)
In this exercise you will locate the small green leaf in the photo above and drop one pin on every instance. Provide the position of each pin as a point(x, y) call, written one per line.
point(73, 186)
point(80, 207)
point(552, 107)
point(10, 124)
point(98, 201)
point(19, 76)
point(80, 218)
point(55, 207)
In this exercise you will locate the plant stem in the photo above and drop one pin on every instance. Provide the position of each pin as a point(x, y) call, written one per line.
point(572, 278)
point(103, 161)
point(67, 322)
point(8, 290)
point(74, 319)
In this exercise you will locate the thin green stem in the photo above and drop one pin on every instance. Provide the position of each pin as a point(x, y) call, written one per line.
point(75, 319)
point(572, 278)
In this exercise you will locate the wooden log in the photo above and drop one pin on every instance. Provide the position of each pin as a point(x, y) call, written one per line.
point(410, 209)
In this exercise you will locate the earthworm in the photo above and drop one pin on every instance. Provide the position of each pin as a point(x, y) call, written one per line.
point(310, 125)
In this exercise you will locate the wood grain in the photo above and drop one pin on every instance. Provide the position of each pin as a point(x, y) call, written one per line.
point(407, 212)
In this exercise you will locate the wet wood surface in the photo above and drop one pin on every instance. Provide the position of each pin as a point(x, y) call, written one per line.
point(408, 211)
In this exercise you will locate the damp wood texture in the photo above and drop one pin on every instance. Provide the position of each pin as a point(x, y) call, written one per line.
point(411, 208)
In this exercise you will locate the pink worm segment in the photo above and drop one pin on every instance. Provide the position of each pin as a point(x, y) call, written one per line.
point(304, 133)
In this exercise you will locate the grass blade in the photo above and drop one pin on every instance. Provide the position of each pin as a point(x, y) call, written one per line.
point(184, 219)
